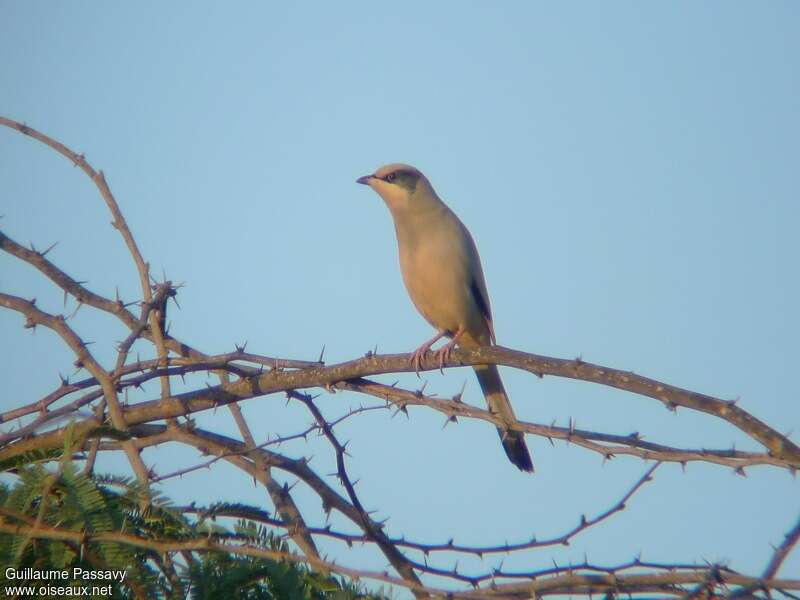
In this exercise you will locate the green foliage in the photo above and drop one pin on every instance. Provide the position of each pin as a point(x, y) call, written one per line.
point(30, 457)
point(69, 500)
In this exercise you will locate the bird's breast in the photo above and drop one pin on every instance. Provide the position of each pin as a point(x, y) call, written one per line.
point(436, 276)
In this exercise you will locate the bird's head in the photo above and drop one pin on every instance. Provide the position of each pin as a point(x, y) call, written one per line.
point(399, 185)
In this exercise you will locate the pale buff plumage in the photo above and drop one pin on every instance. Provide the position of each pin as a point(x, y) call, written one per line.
point(443, 275)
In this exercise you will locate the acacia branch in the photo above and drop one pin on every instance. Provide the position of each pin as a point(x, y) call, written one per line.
point(781, 552)
point(233, 452)
point(99, 180)
point(605, 444)
point(177, 366)
point(450, 546)
point(280, 495)
point(276, 441)
point(778, 445)
point(58, 324)
point(351, 374)
point(568, 580)
point(370, 528)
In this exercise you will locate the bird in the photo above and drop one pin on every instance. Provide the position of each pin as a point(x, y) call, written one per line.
point(442, 273)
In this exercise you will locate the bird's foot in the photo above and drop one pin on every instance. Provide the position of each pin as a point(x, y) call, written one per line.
point(418, 356)
point(443, 353)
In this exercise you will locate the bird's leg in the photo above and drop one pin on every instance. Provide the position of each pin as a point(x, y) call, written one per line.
point(444, 352)
point(419, 353)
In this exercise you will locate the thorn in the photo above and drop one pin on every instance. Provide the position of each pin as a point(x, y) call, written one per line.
point(460, 394)
point(400, 408)
point(53, 245)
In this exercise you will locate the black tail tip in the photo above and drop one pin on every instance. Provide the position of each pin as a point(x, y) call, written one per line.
point(517, 451)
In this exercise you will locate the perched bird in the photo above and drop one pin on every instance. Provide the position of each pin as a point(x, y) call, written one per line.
point(443, 275)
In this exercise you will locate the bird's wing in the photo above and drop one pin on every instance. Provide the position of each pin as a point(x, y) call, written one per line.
point(478, 289)
point(477, 285)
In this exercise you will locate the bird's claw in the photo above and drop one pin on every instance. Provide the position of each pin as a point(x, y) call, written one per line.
point(443, 354)
point(418, 357)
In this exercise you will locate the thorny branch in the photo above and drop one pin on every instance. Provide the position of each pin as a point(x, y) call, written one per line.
point(450, 545)
point(111, 425)
point(586, 578)
point(371, 529)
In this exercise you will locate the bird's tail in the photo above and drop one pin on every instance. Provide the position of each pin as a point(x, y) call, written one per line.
point(496, 398)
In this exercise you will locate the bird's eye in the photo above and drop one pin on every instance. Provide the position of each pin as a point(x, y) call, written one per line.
point(391, 177)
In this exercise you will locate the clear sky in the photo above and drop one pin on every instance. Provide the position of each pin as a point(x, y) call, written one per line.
point(629, 171)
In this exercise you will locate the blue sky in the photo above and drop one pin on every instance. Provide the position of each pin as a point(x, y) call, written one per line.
point(628, 170)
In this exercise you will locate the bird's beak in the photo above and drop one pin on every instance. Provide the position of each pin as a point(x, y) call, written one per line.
point(365, 179)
